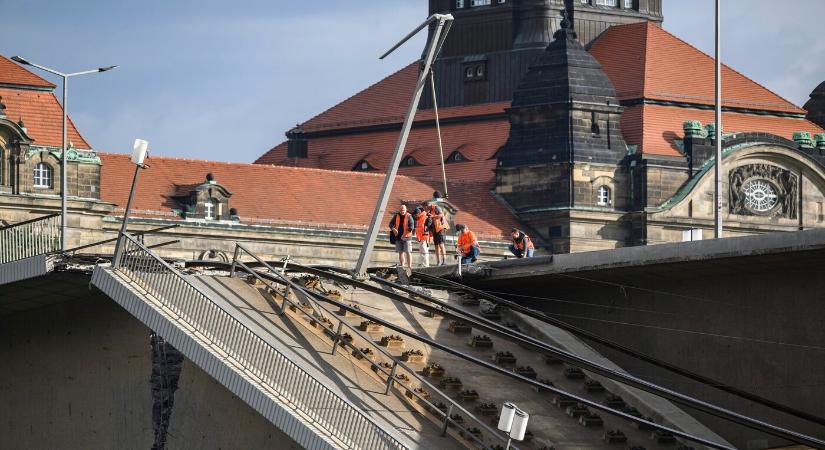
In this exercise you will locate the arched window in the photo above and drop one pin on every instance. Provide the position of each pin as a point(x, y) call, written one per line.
point(603, 196)
point(469, 73)
point(42, 176)
point(209, 209)
point(2, 165)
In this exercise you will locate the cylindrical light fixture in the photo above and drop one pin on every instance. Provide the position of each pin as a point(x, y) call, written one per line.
point(519, 426)
point(505, 422)
point(139, 151)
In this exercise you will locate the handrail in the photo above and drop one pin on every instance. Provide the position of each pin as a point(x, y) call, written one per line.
point(30, 238)
point(336, 333)
point(347, 425)
point(26, 222)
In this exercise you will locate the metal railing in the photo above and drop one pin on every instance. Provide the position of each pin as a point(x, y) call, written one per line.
point(30, 238)
point(395, 373)
point(348, 426)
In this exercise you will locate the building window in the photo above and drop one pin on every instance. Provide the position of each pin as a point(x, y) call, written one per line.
point(42, 176)
point(2, 156)
point(603, 196)
point(474, 3)
point(628, 4)
point(409, 162)
point(459, 4)
point(209, 209)
point(362, 166)
point(610, 3)
point(475, 72)
point(456, 156)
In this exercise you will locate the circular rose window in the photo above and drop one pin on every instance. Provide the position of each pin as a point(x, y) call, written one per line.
point(760, 195)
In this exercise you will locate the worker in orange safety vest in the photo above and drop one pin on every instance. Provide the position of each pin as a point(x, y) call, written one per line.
point(402, 226)
point(522, 246)
point(423, 223)
point(439, 229)
point(467, 244)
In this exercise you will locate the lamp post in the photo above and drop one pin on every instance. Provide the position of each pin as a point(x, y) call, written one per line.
point(63, 170)
point(140, 151)
point(717, 226)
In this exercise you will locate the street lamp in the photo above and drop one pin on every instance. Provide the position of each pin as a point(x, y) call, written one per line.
point(63, 178)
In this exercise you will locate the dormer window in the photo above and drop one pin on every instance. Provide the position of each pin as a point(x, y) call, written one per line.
point(469, 73)
point(455, 156)
point(459, 4)
point(363, 166)
point(205, 201)
point(409, 162)
point(475, 71)
point(209, 209)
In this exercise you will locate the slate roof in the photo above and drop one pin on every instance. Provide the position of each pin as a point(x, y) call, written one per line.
point(275, 194)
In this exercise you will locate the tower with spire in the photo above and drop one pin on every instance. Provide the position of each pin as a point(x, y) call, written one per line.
point(493, 42)
point(563, 160)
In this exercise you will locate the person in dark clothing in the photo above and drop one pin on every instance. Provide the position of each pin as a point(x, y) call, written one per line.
point(402, 227)
point(522, 246)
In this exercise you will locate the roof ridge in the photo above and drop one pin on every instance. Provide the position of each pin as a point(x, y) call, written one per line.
point(668, 33)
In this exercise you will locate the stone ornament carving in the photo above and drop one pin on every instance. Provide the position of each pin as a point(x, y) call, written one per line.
point(763, 190)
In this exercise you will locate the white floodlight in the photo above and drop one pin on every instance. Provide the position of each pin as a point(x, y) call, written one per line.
point(519, 426)
point(139, 151)
point(505, 422)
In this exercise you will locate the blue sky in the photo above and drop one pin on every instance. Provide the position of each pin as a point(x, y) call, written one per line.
point(218, 80)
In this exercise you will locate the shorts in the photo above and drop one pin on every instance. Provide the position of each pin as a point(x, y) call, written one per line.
point(438, 238)
point(403, 246)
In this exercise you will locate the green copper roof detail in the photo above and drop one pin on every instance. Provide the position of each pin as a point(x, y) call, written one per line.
point(73, 154)
point(819, 141)
point(693, 129)
point(803, 139)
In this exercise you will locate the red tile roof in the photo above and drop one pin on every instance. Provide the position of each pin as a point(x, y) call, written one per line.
point(477, 141)
point(663, 125)
point(287, 194)
point(645, 61)
point(42, 116)
point(12, 73)
point(386, 102)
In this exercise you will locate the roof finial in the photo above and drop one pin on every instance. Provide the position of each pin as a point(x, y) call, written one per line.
point(568, 15)
point(22, 125)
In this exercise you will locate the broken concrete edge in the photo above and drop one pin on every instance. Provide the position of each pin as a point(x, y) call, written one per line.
point(661, 410)
point(282, 417)
point(679, 252)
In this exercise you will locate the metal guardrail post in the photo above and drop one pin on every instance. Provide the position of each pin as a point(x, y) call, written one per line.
point(234, 261)
point(391, 378)
point(446, 420)
point(337, 336)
